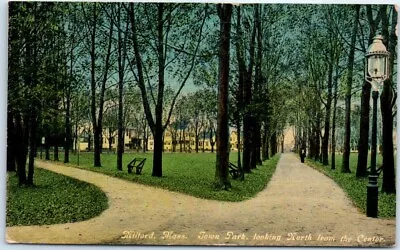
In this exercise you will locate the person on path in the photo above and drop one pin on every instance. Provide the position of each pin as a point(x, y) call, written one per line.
point(302, 154)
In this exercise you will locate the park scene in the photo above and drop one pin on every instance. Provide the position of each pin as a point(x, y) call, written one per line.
point(201, 124)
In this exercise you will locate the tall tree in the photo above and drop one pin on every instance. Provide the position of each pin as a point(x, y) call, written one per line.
point(247, 75)
point(349, 81)
point(162, 50)
point(72, 48)
point(239, 91)
point(388, 99)
point(258, 82)
point(121, 53)
point(98, 80)
point(221, 171)
point(334, 123)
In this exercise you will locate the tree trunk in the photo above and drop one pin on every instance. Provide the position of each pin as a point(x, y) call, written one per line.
point(97, 146)
point(257, 144)
point(47, 149)
point(364, 131)
point(109, 140)
point(68, 123)
point(239, 160)
point(264, 146)
point(258, 81)
point(89, 141)
point(98, 142)
point(204, 139)
point(221, 171)
point(266, 141)
point(333, 161)
point(21, 149)
point(317, 141)
point(239, 94)
point(248, 138)
point(389, 181)
point(180, 141)
point(325, 139)
point(93, 91)
point(32, 146)
point(10, 143)
point(196, 138)
point(158, 150)
point(184, 140)
point(121, 70)
point(273, 144)
point(56, 151)
point(144, 139)
point(68, 128)
point(349, 80)
point(174, 141)
point(76, 137)
point(158, 130)
point(121, 133)
point(311, 142)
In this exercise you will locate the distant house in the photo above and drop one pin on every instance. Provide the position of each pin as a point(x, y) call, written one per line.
point(178, 140)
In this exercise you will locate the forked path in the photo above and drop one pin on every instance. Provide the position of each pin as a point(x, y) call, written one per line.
point(299, 207)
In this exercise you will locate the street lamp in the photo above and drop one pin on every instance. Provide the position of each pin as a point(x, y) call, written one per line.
point(376, 72)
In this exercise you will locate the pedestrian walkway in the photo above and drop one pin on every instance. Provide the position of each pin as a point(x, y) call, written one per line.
point(299, 207)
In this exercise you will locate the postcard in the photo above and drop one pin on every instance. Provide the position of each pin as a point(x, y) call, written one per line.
point(201, 124)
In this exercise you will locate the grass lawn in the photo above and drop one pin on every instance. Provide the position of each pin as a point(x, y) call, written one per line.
point(356, 188)
point(190, 173)
point(54, 199)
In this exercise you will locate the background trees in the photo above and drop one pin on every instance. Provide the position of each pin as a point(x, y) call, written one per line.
point(37, 73)
point(157, 67)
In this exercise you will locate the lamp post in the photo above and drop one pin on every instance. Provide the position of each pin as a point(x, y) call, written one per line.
point(376, 72)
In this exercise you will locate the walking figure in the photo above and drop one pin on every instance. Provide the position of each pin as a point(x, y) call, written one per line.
point(302, 154)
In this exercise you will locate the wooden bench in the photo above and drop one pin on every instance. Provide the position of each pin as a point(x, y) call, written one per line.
point(137, 163)
point(233, 170)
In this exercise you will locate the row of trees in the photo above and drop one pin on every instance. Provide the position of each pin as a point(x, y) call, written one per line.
point(334, 77)
point(259, 68)
point(80, 57)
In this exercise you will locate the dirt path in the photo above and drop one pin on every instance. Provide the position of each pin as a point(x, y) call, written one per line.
point(300, 207)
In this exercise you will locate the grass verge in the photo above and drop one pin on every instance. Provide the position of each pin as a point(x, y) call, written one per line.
point(356, 188)
point(189, 173)
point(54, 199)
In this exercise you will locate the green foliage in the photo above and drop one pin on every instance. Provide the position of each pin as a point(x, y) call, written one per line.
point(55, 199)
point(356, 188)
point(192, 174)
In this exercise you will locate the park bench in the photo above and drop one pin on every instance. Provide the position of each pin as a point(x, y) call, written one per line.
point(137, 163)
point(233, 170)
